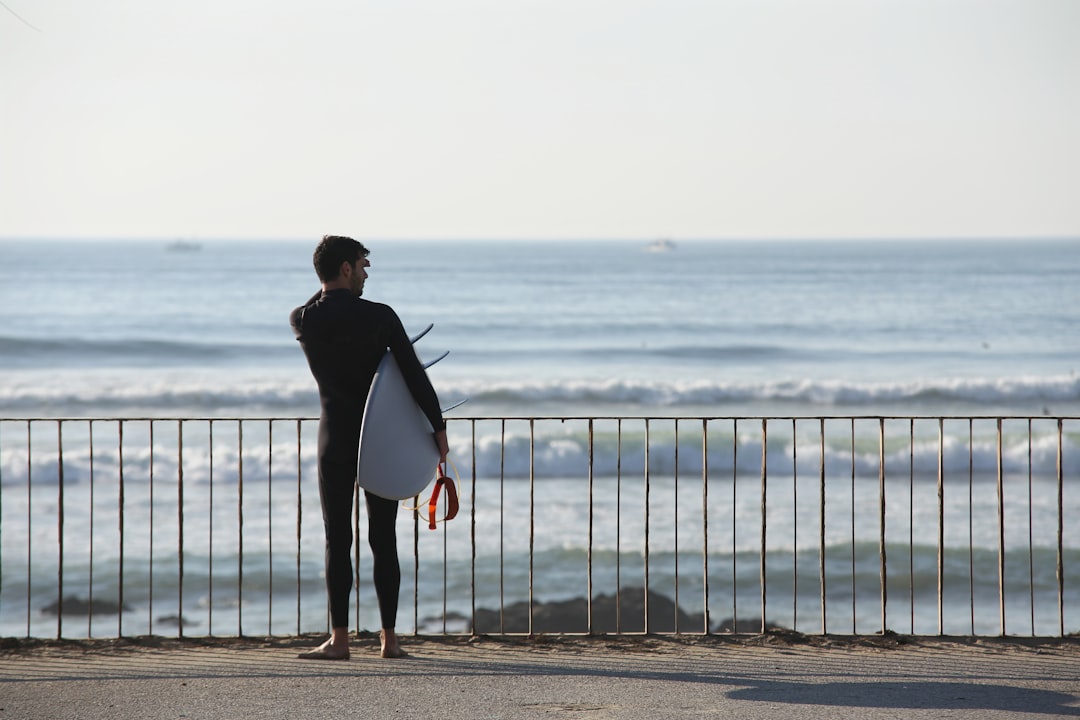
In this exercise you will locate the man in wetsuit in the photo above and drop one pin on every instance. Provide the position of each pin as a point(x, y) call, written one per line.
point(344, 337)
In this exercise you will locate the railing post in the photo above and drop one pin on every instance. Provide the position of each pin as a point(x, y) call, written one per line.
point(29, 521)
point(240, 528)
point(502, 526)
point(90, 540)
point(210, 539)
point(854, 589)
point(618, 526)
point(60, 528)
point(589, 543)
point(1060, 570)
point(881, 524)
point(180, 526)
point(270, 526)
point(2, 509)
point(821, 529)
point(150, 569)
point(794, 525)
point(971, 520)
point(676, 528)
point(764, 516)
point(941, 527)
point(472, 532)
point(734, 525)
point(647, 494)
point(1001, 529)
point(299, 518)
point(532, 515)
point(120, 462)
point(416, 560)
point(1031, 530)
point(705, 520)
point(911, 521)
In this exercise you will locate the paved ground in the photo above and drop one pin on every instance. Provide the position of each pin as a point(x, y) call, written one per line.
point(633, 678)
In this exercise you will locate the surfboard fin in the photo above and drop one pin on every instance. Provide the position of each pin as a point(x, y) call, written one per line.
point(458, 404)
point(429, 364)
point(422, 333)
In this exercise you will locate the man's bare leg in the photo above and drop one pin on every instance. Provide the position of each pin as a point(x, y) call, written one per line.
point(336, 648)
point(391, 648)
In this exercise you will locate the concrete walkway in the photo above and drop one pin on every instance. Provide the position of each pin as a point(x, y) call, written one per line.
point(629, 678)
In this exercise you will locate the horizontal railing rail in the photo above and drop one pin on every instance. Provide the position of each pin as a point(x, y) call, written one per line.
point(113, 527)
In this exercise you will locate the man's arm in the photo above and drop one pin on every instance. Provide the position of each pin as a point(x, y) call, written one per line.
point(415, 376)
point(296, 317)
point(442, 444)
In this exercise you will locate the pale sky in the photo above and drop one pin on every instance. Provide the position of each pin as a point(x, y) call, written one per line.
point(540, 118)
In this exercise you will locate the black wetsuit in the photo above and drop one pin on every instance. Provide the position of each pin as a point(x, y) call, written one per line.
point(344, 338)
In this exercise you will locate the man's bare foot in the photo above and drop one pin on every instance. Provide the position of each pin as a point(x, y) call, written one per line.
point(391, 648)
point(327, 651)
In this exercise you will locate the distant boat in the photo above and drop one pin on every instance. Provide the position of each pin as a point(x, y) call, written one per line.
point(661, 245)
point(183, 246)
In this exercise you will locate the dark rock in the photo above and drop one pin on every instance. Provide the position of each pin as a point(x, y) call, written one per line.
point(75, 605)
point(624, 613)
point(750, 625)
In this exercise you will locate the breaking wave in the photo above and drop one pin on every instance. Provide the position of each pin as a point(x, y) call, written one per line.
point(160, 394)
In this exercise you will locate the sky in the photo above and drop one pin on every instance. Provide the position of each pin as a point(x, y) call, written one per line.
point(540, 118)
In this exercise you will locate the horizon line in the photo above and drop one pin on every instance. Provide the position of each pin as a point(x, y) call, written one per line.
point(537, 238)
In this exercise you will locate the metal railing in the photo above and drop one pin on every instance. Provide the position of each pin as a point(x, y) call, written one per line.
point(831, 525)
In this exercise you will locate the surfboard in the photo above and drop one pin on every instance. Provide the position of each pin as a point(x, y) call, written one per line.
point(398, 455)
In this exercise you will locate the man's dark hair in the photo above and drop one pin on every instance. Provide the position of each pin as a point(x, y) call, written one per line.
point(334, 250)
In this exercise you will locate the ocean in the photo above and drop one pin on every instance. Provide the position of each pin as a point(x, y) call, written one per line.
point(619, 330)
point(100, 328)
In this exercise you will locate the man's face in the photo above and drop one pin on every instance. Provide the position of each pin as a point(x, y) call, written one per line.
point(358, 276)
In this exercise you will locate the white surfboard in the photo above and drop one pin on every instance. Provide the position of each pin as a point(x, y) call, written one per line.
point(398, 456)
